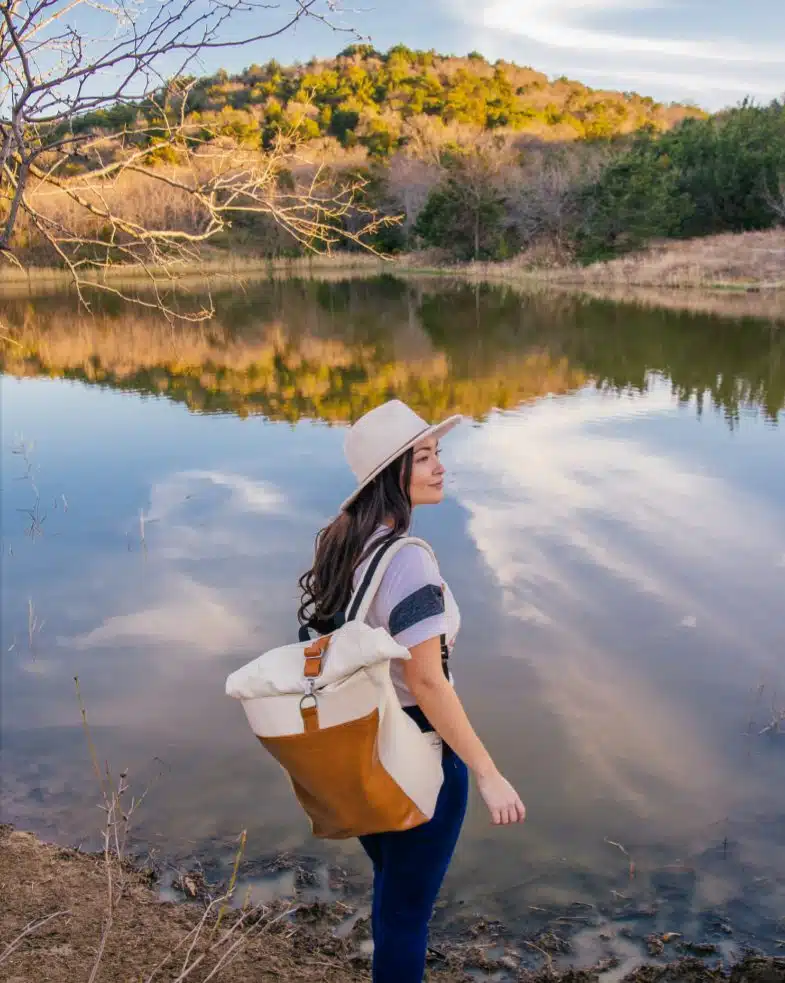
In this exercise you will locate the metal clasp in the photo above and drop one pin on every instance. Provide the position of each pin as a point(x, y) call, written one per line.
point(308, 706)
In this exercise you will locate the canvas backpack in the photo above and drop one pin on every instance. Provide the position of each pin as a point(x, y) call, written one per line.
point(328, 713)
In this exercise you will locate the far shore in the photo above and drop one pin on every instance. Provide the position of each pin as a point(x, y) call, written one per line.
point(730, 275)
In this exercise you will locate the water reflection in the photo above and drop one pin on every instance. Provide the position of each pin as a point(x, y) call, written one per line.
point(569, 489)
point(617, 553)
point(332, 351)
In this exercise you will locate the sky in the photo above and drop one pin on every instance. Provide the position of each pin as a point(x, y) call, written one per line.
point(712, 52)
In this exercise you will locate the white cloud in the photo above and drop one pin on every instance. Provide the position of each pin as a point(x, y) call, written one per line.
point(688, 84)
point(562, 24)
point(202, 514)
point(585, 38)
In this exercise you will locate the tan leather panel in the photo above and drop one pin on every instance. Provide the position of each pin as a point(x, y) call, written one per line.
point(340, 782)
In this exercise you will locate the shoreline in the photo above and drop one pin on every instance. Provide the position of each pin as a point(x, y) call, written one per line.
point(58, 919)
point(741, 275)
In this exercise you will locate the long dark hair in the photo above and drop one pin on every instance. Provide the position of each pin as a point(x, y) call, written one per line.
point(342, 546)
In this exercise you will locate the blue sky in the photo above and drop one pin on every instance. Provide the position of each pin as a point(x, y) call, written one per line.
point(714, 52)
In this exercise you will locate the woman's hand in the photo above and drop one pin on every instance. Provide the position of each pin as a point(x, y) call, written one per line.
point(501, 798)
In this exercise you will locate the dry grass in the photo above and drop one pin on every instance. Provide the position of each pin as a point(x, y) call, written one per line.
point(216, 264)
point(731, 275)
point(747, 261)
point(750, 260)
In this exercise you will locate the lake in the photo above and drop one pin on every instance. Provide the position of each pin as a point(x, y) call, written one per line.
point(614, 531)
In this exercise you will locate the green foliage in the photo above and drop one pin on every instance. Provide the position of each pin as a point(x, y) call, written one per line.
point(702, 178)
point(466, 215)
point(407, 83)
point(342, 122)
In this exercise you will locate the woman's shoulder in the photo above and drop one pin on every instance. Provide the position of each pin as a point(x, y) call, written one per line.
point(417, 562)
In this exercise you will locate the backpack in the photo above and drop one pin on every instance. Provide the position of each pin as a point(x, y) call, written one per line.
point(328, 713)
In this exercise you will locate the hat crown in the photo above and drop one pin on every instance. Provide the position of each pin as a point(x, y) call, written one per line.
point(376, 437)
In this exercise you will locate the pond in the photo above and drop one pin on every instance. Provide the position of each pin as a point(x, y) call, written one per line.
point(614, 531)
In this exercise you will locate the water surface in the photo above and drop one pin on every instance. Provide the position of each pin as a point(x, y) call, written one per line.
point(614, 532)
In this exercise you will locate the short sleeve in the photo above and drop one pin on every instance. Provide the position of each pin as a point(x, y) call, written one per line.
point(410, 602)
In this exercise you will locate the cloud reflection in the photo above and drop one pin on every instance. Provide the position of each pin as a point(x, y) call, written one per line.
point(187, 615)
point(208, 559)
point(606, 548)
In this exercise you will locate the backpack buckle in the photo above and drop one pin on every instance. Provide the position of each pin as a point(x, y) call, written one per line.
point(314, 657)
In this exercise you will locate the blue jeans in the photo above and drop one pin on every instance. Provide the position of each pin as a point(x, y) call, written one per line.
point(408, 870)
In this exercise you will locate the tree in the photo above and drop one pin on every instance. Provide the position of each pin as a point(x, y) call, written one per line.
point(702, 178)
point(91, 94)
point(466, 213)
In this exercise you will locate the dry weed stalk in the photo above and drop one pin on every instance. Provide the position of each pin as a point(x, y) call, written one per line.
point(775, 727)
point(543, 952)
point(37, 516)
point(208, 946)
point(34, 626)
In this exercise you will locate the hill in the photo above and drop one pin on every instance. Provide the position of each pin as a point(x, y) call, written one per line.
point(382, 102)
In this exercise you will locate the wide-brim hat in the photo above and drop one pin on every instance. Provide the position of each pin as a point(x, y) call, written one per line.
point(384, 434)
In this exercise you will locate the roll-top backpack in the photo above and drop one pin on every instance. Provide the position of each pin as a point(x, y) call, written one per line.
point(328, 713)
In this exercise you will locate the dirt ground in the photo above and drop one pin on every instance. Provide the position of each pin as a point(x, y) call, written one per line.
point(37, 880)
point(150, 941)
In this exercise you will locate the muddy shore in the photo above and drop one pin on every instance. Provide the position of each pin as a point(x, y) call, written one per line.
point(57, 924)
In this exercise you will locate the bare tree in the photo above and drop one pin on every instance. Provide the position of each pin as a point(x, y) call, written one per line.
point(410, 181)
point(543, 195)
point(92, 92)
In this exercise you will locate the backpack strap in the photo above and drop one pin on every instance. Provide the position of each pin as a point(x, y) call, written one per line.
point(360, 603)
point(372, 578)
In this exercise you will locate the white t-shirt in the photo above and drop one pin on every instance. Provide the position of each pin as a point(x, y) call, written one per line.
point(413, 604)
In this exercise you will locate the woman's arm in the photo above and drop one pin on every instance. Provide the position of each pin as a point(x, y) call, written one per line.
point(440, 703)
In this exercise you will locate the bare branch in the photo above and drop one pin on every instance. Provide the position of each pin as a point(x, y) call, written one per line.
point(14, 944)
point(76, 187)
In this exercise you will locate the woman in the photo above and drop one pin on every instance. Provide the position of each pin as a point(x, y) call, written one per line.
point(395, 457)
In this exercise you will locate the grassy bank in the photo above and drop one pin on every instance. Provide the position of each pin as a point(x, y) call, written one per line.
point(731, 275)
point(745, 262)
point(67, 915)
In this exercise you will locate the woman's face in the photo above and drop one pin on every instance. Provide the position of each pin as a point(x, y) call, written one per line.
point(427, 484)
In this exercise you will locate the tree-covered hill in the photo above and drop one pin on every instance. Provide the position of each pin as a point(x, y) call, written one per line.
point(381, 101)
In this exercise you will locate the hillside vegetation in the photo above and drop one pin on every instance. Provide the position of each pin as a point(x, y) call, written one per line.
point(472, 160)
point(381, 102)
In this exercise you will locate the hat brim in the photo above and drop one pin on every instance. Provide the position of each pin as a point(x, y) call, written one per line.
point(438, 430)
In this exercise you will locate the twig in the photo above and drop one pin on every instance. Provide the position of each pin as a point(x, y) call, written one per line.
point(543, 952)
point(31, 927)
point(33, 626)
point(626, 854)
